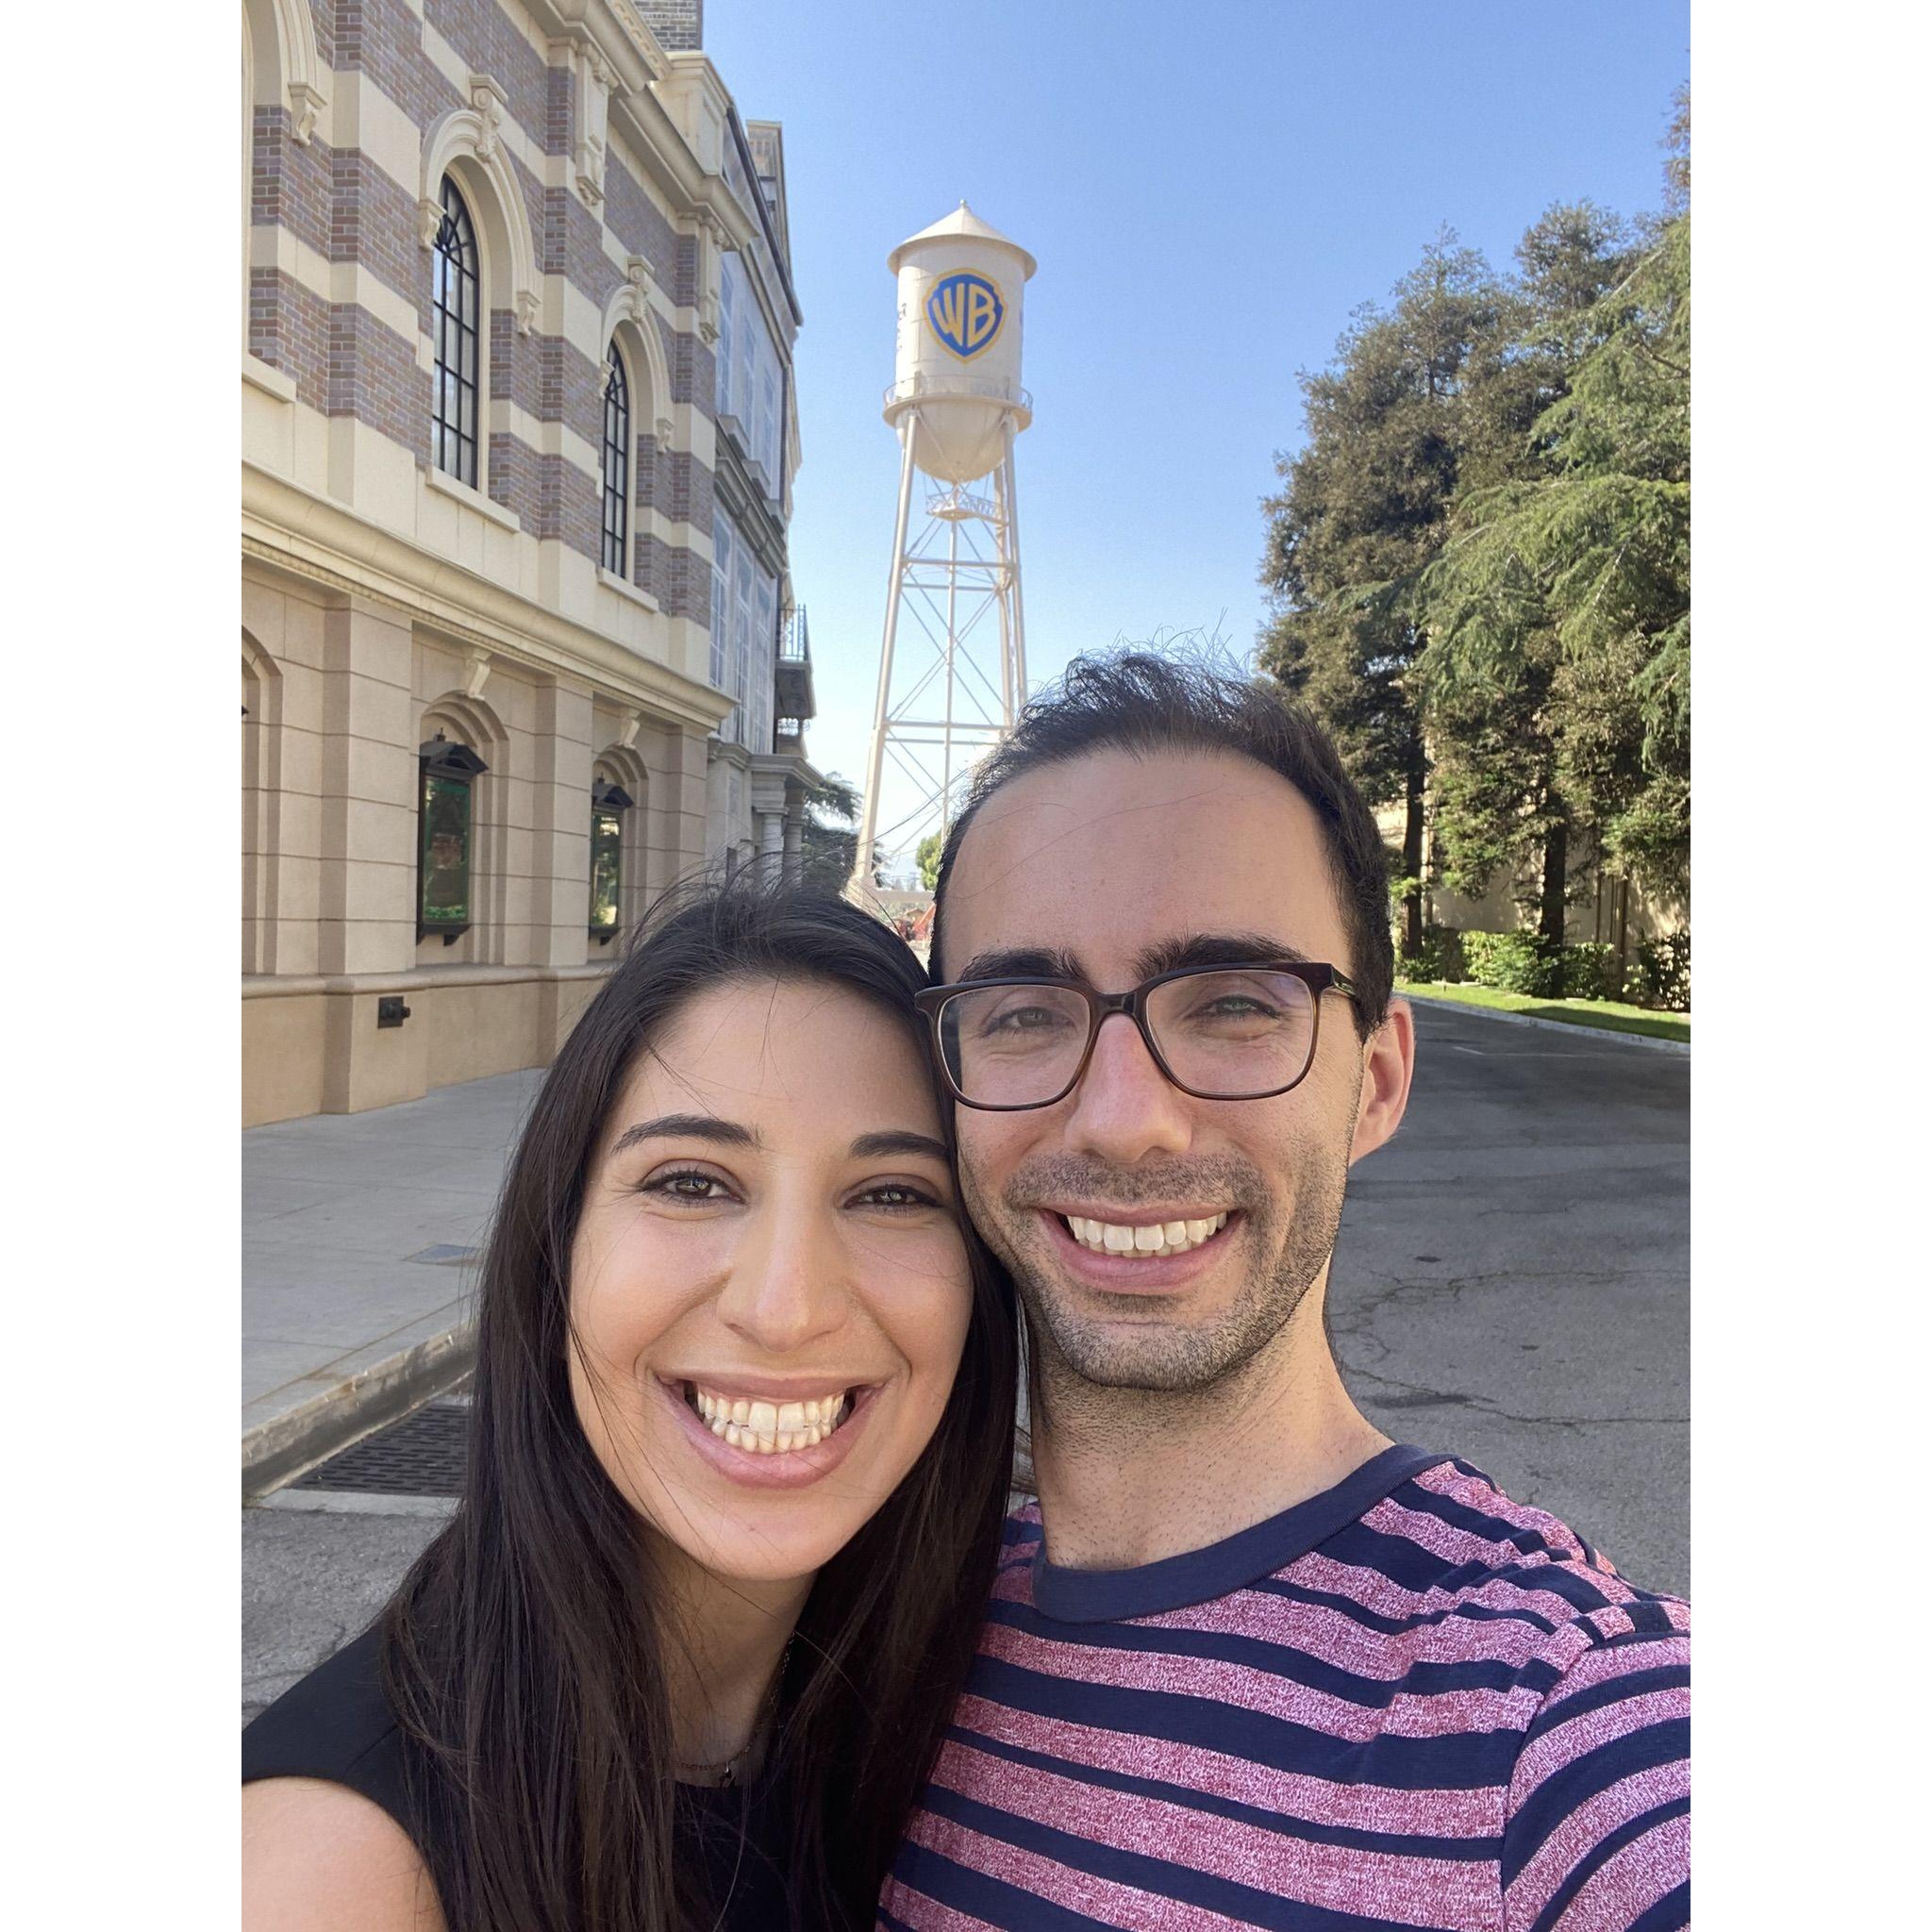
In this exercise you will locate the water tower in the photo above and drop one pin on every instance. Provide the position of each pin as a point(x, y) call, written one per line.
point(957, 404)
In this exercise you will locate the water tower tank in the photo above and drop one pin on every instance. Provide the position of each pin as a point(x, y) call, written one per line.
point(960, 290)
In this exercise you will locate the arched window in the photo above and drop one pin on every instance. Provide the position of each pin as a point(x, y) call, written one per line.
point(444, 828)
point(616, 464)
point(608, 803)
point(457, 300)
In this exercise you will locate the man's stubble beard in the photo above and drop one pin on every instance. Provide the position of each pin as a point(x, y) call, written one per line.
point(1287, 1244)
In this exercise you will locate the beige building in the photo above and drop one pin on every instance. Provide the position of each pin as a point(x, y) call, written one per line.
point(1604, 907)
point(520, 646)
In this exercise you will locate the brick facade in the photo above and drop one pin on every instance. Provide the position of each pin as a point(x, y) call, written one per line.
point(677, 23)
point(639, 226)
point(489, 44)
point(340, 203)
point(355, 656)
point(373, 376)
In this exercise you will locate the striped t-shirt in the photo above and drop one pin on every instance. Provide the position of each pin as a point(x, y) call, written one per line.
point(1407, 1702)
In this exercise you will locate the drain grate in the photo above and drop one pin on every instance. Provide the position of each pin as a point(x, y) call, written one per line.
point(420, 1456)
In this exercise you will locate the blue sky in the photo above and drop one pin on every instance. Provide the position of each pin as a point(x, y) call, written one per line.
point(1209, 190)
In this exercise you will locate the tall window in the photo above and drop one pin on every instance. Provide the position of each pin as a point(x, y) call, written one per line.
point(750, 378)
point(455, 297)
point(722, 544)
point(727, 335)
point(443, 851)
point(608, 803)
point(616, 464)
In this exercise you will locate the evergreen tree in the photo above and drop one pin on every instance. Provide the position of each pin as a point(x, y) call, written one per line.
point(1526, 748)
point(831, 839)
point(1569, 565)
point(927, 856)
point(1363, 514)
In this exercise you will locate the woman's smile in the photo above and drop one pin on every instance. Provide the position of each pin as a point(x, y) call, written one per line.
point(779, 1444)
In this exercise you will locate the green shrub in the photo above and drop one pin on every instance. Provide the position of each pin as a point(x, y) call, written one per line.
point(1440, 959)
point(1660, 975)
point(1592, 972)
point(1514, 962)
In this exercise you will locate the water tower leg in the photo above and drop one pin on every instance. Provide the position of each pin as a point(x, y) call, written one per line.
point(1013, 563)
point(869, 816)
point(1004, 598)
point(952, 645)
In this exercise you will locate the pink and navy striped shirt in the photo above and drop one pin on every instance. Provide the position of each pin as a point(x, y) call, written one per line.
point(1407, 1702)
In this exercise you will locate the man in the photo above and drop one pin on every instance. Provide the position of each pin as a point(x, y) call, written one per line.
point(1248, 1662)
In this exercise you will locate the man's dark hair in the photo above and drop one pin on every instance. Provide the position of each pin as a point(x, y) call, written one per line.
point(1136, 702)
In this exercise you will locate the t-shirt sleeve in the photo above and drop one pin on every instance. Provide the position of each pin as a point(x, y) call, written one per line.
point(1597, 1835)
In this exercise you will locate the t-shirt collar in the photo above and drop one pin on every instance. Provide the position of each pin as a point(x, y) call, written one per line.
point(1198, 1576)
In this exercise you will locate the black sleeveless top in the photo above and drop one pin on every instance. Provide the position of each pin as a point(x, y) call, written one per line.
point(336, 1724)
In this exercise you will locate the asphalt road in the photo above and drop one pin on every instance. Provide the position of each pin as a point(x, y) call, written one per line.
point(1511, 1285)
point(1512, 1282)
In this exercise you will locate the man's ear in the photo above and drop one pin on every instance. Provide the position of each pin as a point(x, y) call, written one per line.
point(1388, 1066)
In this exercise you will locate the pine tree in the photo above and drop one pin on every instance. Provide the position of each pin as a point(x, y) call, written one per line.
point(1570, 560)
point(1527, 750)
point(1363, 514)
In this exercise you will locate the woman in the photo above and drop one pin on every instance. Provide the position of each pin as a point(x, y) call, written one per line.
point(741, 1438)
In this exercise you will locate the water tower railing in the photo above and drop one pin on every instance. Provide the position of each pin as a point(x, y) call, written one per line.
point(908, 388)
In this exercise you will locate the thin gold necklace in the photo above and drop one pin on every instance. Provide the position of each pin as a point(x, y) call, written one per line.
point(724, 1775)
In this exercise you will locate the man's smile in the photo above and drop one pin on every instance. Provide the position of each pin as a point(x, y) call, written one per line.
point(1138, 1257)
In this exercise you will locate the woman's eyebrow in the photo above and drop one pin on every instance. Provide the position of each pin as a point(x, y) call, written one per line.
point(870, 1146)
point(686, 1126)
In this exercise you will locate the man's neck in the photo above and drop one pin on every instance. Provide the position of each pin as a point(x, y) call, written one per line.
point(1128, 1476)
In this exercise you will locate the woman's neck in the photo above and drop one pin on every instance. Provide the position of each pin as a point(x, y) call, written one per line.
point(727, 1640)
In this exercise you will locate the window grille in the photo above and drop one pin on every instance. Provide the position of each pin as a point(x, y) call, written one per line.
point(455, 296)
point(616, 465)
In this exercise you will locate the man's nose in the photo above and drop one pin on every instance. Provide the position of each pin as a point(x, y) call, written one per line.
point(1125, 1107)
point(787, 1286)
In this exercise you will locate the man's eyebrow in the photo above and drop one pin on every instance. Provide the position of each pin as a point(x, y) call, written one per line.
point(1021, 962)
point(1164, 955)
point(900, 1140)
point(686, 1126)
point(1214, 949)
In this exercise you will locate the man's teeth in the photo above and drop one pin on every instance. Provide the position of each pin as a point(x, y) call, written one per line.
point(770, 1429)
point(1156, 1237)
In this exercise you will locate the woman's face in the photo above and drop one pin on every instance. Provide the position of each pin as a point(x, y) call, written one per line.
point(769, 1283)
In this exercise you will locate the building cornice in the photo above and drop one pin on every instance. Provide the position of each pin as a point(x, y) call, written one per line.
point(694, 195)
point(326, 544)
point(614, 27)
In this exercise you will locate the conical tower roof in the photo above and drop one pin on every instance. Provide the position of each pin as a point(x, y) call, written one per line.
point(962, 221)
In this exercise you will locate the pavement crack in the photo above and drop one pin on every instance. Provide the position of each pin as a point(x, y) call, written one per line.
point(1419, 1395)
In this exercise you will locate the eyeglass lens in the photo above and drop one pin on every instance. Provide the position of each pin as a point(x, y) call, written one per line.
point(1227, 1035)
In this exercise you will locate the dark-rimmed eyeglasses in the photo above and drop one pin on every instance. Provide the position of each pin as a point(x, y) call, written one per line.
point(1245, 1032)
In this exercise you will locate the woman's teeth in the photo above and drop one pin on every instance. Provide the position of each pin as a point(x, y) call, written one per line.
point(770, 1429)
point(1156, 1237)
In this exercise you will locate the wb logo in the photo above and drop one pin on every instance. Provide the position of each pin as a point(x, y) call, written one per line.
point(965, 311)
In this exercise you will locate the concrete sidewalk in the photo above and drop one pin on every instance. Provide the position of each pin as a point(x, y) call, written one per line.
point(360, 1234)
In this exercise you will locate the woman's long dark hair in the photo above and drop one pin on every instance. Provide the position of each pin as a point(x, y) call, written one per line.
point(525, 1652)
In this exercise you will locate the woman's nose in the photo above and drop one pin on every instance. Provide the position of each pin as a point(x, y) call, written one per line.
point(786, 1288)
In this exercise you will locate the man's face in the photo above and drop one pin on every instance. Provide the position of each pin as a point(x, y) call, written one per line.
point(1110, 869)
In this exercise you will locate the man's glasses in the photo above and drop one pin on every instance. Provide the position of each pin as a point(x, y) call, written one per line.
point(1217, 1032)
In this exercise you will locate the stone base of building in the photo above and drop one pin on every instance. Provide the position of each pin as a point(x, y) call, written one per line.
point(315, 1044)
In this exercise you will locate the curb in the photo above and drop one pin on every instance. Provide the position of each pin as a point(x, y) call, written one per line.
point(1572, 1027)
point(278, 1451)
